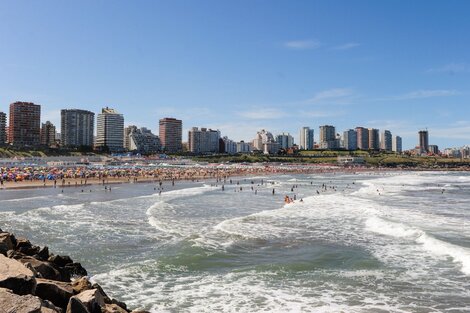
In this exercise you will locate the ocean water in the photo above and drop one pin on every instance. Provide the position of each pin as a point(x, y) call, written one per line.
point(374, 242)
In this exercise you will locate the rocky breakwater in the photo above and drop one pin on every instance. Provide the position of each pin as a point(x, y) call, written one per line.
point(33, 280)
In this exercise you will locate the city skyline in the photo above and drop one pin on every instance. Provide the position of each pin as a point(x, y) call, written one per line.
point(241, 68)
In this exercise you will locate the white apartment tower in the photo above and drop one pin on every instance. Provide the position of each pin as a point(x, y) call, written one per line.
point(110, 130)
point(306, 138)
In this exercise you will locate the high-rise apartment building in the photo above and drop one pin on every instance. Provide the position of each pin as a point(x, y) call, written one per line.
point(328, 137)
point(396, 144)
point(3, 128)
point(25, 124)
point(423, 141)
point(48, 134)
point(285, 140)
point(374, 139)
point(203, 140)
point(306, 138)
point(171, 134)
point(76, 128)
point(362, 138)
point(350, 140)
point(386, 141)
point(110, 130)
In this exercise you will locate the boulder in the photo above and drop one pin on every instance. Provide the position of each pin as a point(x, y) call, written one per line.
point(76, 306)
point(75, 270)
point(22, 242)
point(81, 284)
point(105, 296)
point(6, 243)
point(91, 299)
point(43, 254)
point(112, 308)
point(16, 277)
point(45, 269)
point(23, 245)
point(59, 293)
point(60, 260)
point(13, 303)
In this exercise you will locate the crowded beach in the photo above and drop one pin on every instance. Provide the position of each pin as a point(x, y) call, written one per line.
point(69, 176)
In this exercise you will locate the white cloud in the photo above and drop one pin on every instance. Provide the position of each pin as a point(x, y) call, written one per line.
point(451, 68)
point(302, 44)
point(346, 46)
point(263, 114)
point(333, 96)
point(420, 94)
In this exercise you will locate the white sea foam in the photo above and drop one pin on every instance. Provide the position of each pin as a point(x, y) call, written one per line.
point(235, 292)
point(432, 245)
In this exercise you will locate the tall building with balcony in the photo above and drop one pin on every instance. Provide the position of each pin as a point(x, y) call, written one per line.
point(306, 138)
point(423, 141)
point(203, 140)
point(396, 144)
point(48, 134)
point(171, 134)
point(350, 140)
point(386, 141)
point(362, 138)
point(374, 139)
point(110, 130)
point(328, 138)
point(3, 128)
point(76, 128)
point(25, 124)
point(285, 140)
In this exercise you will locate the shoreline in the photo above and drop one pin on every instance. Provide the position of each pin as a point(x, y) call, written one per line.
point(209, 175)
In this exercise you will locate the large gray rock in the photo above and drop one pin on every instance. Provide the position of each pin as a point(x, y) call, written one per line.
point(6, 243)
point(16, 277)
point(91, 299)
point(13, 303)
point(59, 293)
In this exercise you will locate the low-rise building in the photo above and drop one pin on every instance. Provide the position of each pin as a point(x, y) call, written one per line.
point(141, 140)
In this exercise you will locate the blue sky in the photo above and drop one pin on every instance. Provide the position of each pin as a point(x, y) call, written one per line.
point(240, 66)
